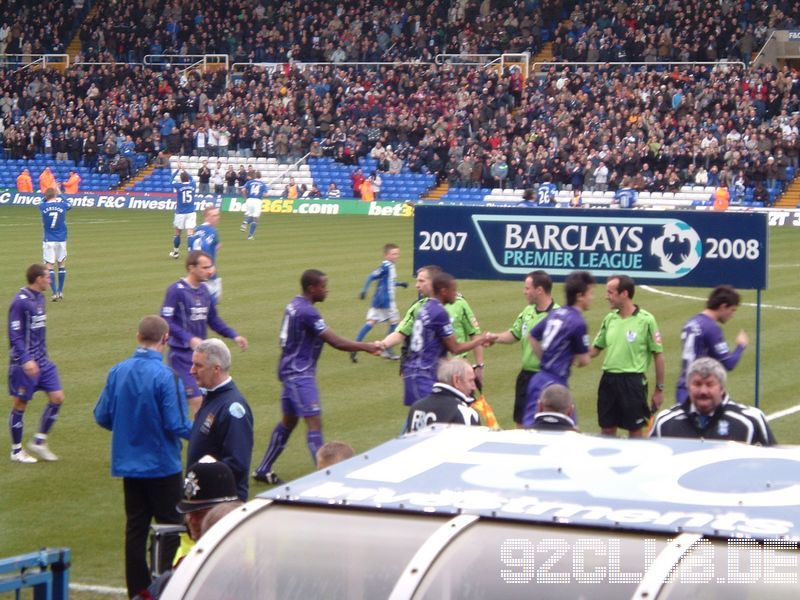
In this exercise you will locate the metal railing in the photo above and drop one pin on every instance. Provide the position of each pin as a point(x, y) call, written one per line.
point(569, 65)
point(92, 63)
point(286, 171)
point(190, 62)
point(238, 68)
point(487, 61)
point(27, 61)
point(46, 572)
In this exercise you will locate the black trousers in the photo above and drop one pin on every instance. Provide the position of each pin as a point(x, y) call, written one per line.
point(145, 500)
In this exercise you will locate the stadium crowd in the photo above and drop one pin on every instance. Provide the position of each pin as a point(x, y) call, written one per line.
point(351, 30)
point(39, 26)
point(665, 30)
point(600, 127)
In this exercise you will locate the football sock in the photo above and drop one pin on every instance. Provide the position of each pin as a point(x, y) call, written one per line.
point(314, 442)
point(363, 332)
point(176, 242)
point(49, 417)
point(392, 327)
point(280, 435)
point(53, 284)
point(252, 228)
point(15, 427)
point(62, 276)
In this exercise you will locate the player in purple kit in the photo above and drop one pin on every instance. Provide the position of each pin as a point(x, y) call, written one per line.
point(189, 311)
point(559, 340)
point(30, 368)
point(702, 336)
point(54, 245)
point(303, 333)
point(431, 337)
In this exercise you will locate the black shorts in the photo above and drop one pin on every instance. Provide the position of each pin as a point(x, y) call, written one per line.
point(622, 401)
point(521, 393)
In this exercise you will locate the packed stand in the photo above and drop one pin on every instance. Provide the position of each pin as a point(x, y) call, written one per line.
point(112, 119)
point(582, 129)
point(601, 128)
point(596, 129)
point(318, 31)
point(40, 26)
point(613, 127)
point(668, 30)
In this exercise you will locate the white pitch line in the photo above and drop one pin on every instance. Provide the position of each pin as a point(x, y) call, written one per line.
point(687, 297)
point(98, 222)
point(98, 589)
point(784, 413)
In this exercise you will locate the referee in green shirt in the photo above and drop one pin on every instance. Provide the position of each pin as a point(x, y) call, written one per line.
point(538, 292)
point(632, 340)
point(465, 327)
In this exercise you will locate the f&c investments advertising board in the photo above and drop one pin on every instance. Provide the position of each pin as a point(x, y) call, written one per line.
point(684, 248)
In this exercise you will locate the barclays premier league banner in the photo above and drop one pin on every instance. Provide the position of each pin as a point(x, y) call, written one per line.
point(686, 248)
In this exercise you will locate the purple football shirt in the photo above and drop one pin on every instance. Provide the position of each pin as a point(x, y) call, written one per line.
point(190, 312)
point(702, 336)
point(562, 335)
point(27, 327)
point(300, 339)
point(425, 347)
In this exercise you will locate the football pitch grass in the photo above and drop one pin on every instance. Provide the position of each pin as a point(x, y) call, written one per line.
point(118, 270)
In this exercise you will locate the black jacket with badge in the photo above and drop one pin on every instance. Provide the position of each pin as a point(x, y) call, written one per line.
point(445, 404)
point(730, 421)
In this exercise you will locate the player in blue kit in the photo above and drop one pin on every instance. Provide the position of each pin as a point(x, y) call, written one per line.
point(560, 340)
point(54, 244)
point(30, 368)
point(189, 312)
point(254, 191)
point(303, 333)
point(702, 336)
point(546, 192)
point(185, 217)
point(431, 337)
point(383, 307)
point(626, 197)
point(206, 239)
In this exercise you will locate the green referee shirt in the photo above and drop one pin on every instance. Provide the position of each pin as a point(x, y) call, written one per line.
point(522, 326)
point(465, 325)
point(629, 343)
point(406, 326)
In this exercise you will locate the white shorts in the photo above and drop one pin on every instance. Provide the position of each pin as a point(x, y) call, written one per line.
point(185, 220)
point(53, 252)
point(252, 207)
point(379, 315)
point(214, 287)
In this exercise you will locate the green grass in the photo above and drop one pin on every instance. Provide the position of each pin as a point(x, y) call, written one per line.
point(119, 270)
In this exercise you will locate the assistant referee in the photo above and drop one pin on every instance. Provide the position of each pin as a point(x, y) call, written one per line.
point(632, 341)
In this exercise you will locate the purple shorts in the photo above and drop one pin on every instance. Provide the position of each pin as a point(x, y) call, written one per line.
point(416, 387)
point(300, 397)
point(180, 359)
point(536, 386)
point(23, 387)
